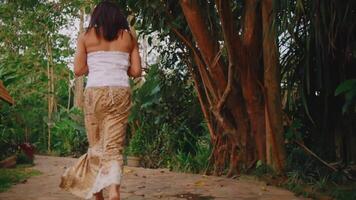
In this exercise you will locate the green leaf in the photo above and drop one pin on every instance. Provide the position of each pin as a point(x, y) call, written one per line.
point(346, 86)
point(155, 90)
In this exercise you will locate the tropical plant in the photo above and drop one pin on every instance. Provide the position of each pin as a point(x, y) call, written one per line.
point(166, 124)
point(317, 44)
point(348, 88)
point(33, 64)
point(69, 136)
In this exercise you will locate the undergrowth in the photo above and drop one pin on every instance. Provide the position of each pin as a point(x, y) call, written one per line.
point(21, 173)
point(308, 178)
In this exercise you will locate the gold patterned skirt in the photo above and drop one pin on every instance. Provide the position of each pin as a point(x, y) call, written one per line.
point(106, 111)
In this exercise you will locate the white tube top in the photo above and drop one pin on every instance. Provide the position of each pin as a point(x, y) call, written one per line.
point(108, 68)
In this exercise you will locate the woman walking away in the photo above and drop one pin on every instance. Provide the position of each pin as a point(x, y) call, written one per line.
point(108, 54)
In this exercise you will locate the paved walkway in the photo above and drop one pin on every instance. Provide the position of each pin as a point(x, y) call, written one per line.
point(140, 183)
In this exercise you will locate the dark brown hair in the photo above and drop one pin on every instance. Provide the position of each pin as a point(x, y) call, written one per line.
point(108, 20)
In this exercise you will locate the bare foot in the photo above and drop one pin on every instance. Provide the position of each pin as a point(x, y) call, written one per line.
point(114, 192)
point(99, 196)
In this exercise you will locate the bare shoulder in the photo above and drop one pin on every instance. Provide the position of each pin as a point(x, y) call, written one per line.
point(129, 38)
point(89, 37)
point(126, 33)
point(81, 37)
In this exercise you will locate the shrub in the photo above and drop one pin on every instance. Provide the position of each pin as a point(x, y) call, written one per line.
point(166, 125)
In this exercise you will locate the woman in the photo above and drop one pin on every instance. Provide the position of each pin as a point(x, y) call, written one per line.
point(108, 54)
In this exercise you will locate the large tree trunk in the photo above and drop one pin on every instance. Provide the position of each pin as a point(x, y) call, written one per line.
point(250, 68)
point(227, 104)
point(235, 90)
point(243, 55)
point(272, 80)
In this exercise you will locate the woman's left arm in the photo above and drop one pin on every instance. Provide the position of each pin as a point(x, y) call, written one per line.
point(80, 59)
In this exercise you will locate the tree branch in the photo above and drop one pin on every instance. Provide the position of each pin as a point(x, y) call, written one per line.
point(230, 38)
point(207, 44)
point(208, 85)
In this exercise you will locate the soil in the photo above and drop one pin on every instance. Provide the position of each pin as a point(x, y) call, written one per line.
point(140, 183)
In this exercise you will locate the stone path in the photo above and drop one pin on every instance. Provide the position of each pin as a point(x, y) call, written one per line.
point(140, 183)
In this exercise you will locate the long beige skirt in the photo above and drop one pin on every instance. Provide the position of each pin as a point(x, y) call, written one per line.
point(106, 111)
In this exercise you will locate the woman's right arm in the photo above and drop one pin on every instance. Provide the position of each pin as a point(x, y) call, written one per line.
point(135, 69)
point(80, 59)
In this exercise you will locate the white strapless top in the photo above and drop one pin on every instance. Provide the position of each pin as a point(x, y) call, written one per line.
point(108, 68)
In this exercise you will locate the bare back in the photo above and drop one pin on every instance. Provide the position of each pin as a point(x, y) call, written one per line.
point(123, 43)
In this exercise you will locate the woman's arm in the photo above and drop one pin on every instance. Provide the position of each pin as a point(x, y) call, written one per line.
point(135, 69)
point(80, 59)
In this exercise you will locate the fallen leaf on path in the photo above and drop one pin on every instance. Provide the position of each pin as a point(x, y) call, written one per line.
point(127, 171)
point(199, 183)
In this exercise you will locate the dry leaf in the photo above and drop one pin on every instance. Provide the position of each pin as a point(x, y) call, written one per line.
point(199, 183)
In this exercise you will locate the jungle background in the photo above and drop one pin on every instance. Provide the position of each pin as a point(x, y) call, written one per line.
point(236, 87)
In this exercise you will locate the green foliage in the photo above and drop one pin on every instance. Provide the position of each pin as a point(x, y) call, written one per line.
point(308, 177)
point(305, 167)
point(344, 193)
point(262, 169)
point(11, 132)
point(28, 30)
point(166, 123)
point(193, 163)
point(22, 158)
point(146, 95)
point(137, 144)
point(293, 131)
point(317, 45)
point(9, 177)
point(348, 88)
point(69, 136)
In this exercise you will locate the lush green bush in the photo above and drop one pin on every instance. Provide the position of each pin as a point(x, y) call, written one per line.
point(25, 60)
point(12, 133)
point(167, 128)
point(197, 162)
point(22, 158)
point(69, 136)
